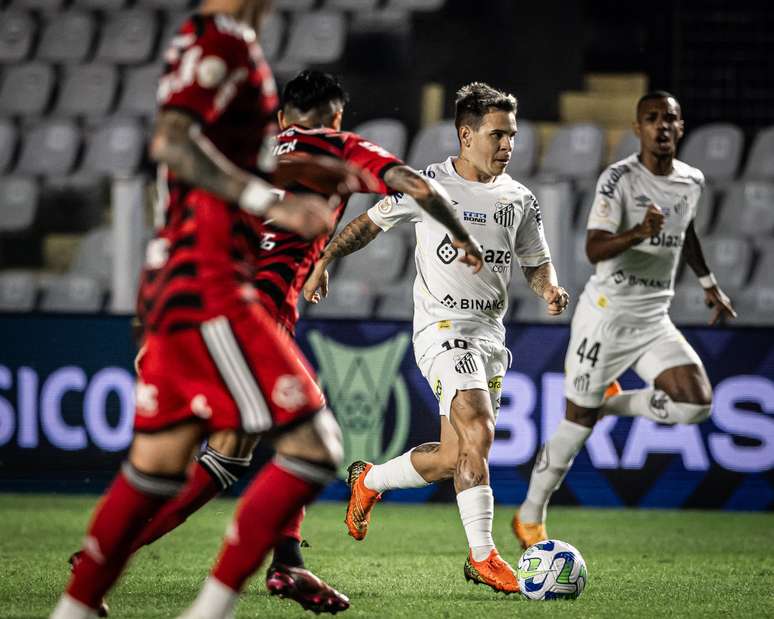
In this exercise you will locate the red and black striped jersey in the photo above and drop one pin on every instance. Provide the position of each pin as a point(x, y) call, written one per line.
point(202, 258)
point(285, 258)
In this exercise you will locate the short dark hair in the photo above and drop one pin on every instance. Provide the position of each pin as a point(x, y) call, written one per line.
point(655, 94)
point(477, 99)
point(313, 91)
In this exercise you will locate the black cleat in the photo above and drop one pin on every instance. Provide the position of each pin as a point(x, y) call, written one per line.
point(74, 559)
point(311, 592)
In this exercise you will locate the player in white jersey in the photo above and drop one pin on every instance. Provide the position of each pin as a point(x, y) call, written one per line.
point(459, 337)
point(640, 224)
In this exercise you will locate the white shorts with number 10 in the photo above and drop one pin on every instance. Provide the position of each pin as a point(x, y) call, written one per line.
point(457, 364)
point(601, 349)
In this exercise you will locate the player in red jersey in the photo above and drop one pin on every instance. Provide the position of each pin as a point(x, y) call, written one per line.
point(214, 361)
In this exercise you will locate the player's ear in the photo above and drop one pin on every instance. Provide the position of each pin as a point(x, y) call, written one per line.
point(338, 118)
point(636, 128)
point(680, 129)
point(282, 120)
point(465, 135)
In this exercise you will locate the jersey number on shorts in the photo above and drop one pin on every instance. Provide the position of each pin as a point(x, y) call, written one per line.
point(591, 355)
point(456, 343)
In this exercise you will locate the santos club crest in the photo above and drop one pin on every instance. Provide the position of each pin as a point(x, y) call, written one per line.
point(361, 382)
point(504, 214)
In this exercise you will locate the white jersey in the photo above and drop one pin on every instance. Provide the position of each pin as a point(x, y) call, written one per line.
point(449, 298)
point(638, 284)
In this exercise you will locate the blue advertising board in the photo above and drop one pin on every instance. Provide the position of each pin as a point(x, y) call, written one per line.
point(67, 393)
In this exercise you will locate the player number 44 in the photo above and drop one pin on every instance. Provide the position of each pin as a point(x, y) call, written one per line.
point(591, 354)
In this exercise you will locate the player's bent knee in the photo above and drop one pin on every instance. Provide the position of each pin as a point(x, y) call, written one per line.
point(225, 470)
point(152, 484)
point(312, 471)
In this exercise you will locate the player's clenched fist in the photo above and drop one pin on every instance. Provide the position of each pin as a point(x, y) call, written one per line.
point(557, 299)
point(309, 216)
point(652, 224)
point(472, 253)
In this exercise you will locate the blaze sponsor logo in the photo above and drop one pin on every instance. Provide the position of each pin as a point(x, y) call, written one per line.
point(667, 240)
point(499, 258)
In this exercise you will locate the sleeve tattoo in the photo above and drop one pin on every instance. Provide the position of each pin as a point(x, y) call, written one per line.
point(356, 234)
point(539, 277)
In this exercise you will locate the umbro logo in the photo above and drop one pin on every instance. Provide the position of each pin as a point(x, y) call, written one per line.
point(643, 201)
point(446, 251)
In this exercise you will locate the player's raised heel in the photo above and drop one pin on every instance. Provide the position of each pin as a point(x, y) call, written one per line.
point(528, 533)
point(494, 572)
point(302, 586)
point(361, 499)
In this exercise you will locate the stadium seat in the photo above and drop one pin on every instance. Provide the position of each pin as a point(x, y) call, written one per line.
point(575, 152)
point(525, 151)
point(715, 149)
point(351, 5)
point(88, 90)
point(433, 144)
point(272, 33)
point(358, 204)
point(764, 270)
point(316, 38)
point(582, 269)
point(293, 5)
point(171, 27)
point(128, 37)
point(688, 307)
point(748, 208)
point(380, 262)
point(17, 32)
point(166, 5)
point(101, 5)
point(9, 136)
point(138, 96)
point(72, 293)
point(415, 5)
point(388, 133)
point(38, 5)
point(18, 203)
point(116, 148)
point(627, 145)
point(396, 302)
point(68, 37)
point(755, 305)
point(760, 161)
point(50, 148)
point(18, 290)
point(26, 89)
point(94, 256)
point(346, 299)
point(729, 258)
point(705, 211)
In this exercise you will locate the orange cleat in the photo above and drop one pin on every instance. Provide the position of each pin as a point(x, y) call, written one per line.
point(613, 390)
point(528, 533)
point(494, 572)
point(361, 500)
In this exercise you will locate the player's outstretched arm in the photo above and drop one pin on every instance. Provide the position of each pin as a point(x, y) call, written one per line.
point(604, 245)
point(545, 284)
point(178, 143)
point(428, 196)
point(356, 234)
point(713, 295)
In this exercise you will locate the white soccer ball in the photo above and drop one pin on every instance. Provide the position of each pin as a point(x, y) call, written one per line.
point(552, 570)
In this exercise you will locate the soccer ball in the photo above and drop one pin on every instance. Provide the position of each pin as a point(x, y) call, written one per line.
point(552, 570)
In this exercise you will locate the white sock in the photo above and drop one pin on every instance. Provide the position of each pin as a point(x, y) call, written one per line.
point(477, 511)
point(396, 473)
point(215, 601)
point(70, 608)
point(553, 462)
point(656, 405)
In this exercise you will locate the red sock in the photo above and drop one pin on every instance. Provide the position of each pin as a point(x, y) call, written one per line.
point(272, 499)
point(293, 527)
point(117, 520)
point(199, 489)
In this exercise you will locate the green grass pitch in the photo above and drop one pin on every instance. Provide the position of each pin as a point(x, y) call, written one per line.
point(641, 563)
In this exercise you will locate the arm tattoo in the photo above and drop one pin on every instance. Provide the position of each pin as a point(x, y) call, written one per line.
point(178, 143)
point(692, 253)
point(357, 234)
point(427, 448)
point(406, 180)
point(540, 277)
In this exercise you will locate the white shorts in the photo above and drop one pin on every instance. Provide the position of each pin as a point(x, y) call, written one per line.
point(457, 364)
point(601, 349)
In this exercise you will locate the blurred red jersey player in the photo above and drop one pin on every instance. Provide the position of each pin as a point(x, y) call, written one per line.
point(213, 359)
